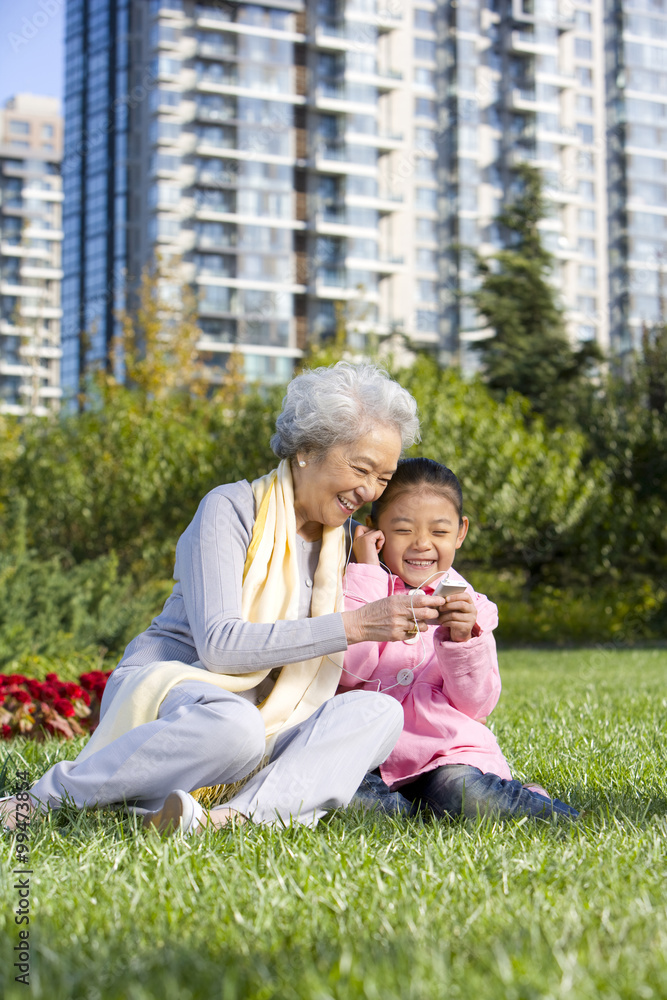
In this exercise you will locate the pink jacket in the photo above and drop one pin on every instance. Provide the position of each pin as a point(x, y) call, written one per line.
point(457, 683)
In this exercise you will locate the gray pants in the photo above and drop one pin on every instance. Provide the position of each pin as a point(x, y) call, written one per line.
point(207, 736)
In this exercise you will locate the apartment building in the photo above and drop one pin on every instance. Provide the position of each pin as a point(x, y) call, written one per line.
point(523, 81)
point(341, 161)
point(30, 254)
point(258, 145)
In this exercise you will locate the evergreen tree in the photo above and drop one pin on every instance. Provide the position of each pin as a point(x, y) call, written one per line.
point(530, 352)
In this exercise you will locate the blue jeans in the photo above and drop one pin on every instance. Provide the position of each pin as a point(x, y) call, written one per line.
point(462, 790)
point(458, 790)
point(373, 795)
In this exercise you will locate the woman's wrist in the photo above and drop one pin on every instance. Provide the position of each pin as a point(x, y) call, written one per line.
point(353, 627)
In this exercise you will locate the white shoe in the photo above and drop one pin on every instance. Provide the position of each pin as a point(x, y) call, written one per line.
point(180, 813)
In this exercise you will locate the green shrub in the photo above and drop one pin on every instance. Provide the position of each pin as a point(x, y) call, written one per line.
point(51, 609)
point(612, 615)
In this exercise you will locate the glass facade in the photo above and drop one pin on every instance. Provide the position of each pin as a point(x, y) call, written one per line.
point(97, 110)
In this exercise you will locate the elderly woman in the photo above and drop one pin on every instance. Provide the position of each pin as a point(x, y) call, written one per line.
point(233, 683)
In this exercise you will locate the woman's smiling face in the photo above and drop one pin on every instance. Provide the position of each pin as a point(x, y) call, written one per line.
point(421, 535)
point(331, 487)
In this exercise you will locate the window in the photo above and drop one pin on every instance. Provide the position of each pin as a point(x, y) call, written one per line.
point(160, 130)
point(586, 218)
point(583, 20)
point(427, 169)
point(583, 48)
point(166, 98)
point(425, 230)
point(164, 66)
point(585, 133)
point(163, 161)
point(19, 128)
point(426, 260)
point(19, 144)
point(426, 199)
point(424, 77)
point(164, 228)
point(585, 76)
point(47, 131)
point(164, 194)
point(424, 108)
point(218, 264)
point(427, 320)
point(425, 140)
point(588, 276)
point(424, 20)
point(586, 304)
point(424, 49)
point(468, 231)
point(364, 187)
point(587, 190)
point(427, 291)
point(584, 104)
point(586, 247)
point(216, 298)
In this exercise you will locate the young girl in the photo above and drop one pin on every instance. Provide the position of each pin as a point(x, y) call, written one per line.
point(446, 678)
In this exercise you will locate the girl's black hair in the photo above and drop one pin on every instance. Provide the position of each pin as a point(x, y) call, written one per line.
point(416, 472)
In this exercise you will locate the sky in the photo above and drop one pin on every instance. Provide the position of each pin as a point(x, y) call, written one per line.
point(31, 47)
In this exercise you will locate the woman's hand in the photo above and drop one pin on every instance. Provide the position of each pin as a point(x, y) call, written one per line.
point(459, 616)
point(367, 545)
point(391, 618)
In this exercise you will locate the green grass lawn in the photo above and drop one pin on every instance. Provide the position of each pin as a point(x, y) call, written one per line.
point(376, 908)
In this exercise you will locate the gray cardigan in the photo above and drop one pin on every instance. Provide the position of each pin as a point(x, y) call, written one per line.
point(201, 619)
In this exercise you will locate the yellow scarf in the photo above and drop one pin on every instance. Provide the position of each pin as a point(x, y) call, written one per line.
point(270, 592)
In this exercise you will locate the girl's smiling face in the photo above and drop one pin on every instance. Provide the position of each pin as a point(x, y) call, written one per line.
point(422, 532)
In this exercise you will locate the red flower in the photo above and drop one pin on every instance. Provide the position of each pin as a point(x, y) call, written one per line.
point(7, 732)
point(22, 696)
point(64, 707)
point(52, 677)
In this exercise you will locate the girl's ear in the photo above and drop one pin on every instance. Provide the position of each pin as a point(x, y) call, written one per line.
point(463, 531)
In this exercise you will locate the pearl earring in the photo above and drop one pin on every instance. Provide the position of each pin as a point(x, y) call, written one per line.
point(302, 464)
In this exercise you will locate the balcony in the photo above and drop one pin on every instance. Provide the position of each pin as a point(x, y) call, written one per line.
point(334, 35)
point(332, 275)
point(530, 41)
point(204, 114)
point(214, 50)
point(352, 93)
point(388, 79)
point(324, 223)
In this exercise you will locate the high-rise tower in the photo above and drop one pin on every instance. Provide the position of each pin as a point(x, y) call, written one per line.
point(30, 254)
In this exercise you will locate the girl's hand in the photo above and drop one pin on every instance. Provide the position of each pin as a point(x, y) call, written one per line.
point(390, 619)
point(367, 544)
point(459, 616)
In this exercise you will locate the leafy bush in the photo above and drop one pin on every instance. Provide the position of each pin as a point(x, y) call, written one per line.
point(612, 615)
point(526, 489)
point(91, 507)
point(51, 609)
point(127, 477)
